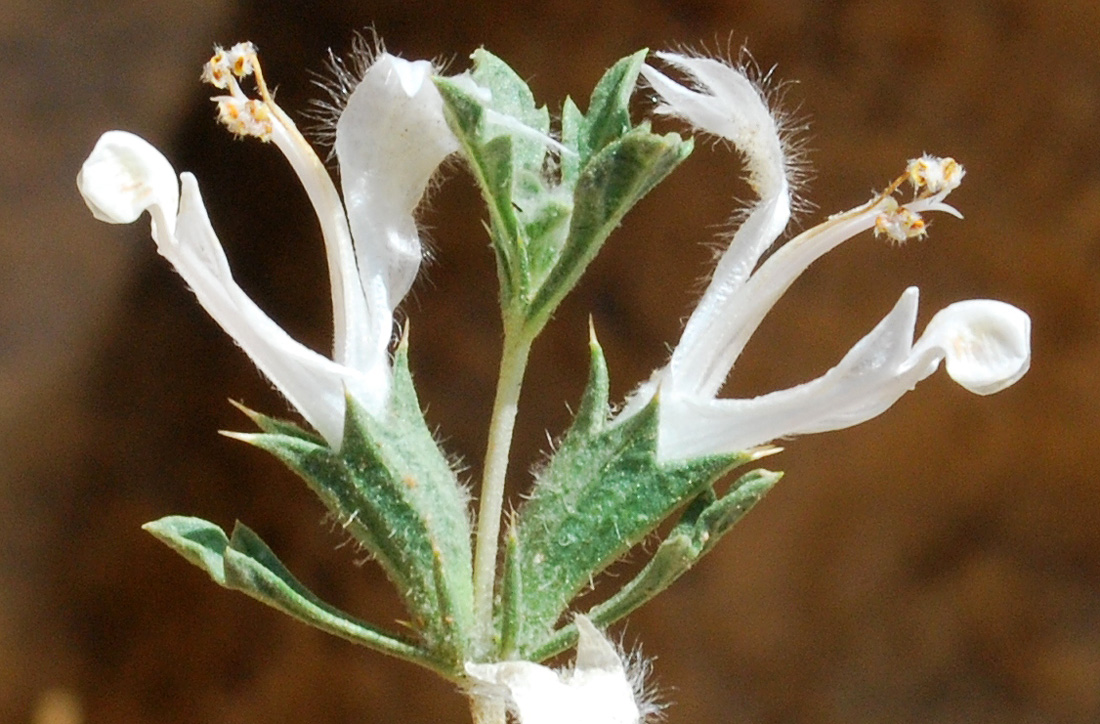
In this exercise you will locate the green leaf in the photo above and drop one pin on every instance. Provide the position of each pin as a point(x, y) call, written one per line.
point(614, 166)
point(705, 521)
point(608, 115)
point(391, 488)
point(491, 163)
point(608, 186)
point(245, 563)
point(513, 100)
point(200, 542)
point(602, 493)
point(504, 136)
point(546, 231)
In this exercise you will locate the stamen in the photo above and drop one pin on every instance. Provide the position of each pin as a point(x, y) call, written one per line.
point(245, 117)
point(225, 64)
point(216, 72)
point(934, 175)
point(899, 223)
point(241, 58)
point(242, 115)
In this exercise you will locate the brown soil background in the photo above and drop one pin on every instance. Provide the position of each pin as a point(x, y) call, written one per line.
point(939, 564)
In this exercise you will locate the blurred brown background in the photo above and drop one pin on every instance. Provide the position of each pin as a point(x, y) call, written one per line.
point(938, 564)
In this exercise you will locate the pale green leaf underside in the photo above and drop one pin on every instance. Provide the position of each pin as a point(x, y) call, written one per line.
point(243, 562)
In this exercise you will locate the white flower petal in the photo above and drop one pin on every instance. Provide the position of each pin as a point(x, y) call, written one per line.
point(709, 345)
point(596, 691)
point(311, 382)
point(986, 346)
point(361, 334)
point(727, 322)
point(986, 343)
point(864, 384)
point(728, 105)
point(390, 139)
point(594, 651)
point(124, 176)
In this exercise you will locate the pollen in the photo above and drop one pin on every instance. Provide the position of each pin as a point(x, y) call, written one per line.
point(224, 65)
point(241, 59)
point(245, 117)
point(934, 175)
point(216, 71)
point(899, 223)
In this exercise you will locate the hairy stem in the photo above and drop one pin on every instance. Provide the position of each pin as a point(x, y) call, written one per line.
point(513, 363)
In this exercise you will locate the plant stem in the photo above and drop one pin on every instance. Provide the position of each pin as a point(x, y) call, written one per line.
point(513, 363)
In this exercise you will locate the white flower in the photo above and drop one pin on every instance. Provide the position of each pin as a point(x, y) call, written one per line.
point(986, 343)
point(390, 138)
point(597, 690)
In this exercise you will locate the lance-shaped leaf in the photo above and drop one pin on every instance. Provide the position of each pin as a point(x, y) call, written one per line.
point(601, 493)
point(243, 562)
point(705, 521)
point(504, 136)
point(607, 119)
point(391, 488)
point(608, 186)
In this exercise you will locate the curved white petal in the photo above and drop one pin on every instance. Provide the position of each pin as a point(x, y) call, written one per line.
point(390, 139)
point(725, 103)
point(596, 691)
point(708, 346)
point(732, 323)
point(311, 382)
point(986, 344)
point(361, 335)
point(729, 105)
point(124, 176)
point(861, 386)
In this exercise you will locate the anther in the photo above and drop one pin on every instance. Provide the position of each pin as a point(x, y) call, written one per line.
point(245, 117)
point(934, 175)
point(899, 223)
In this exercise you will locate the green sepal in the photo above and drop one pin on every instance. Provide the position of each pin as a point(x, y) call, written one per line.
point(705, 521)
point(390, 487)
point(510, 605)
point(602, 492)
point(276, 425)
point(243, 562)
point(572, 127)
